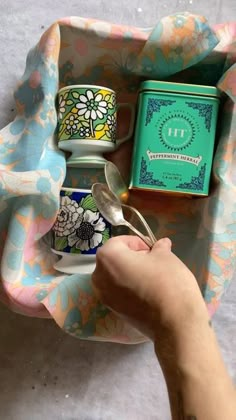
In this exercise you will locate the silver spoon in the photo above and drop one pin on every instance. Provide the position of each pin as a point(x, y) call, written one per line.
point(111, 209)
point(119, 188)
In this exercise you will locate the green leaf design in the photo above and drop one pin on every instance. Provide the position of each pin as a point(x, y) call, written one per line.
point(85, 123)
point(61, 127)
point(105, 235)
point(88, 203)
point(68, 192)
point(108, 134)
point(69, 102)
point(81, 202)
point(99, 127)
point(107, 97)
point(75, 94)
point(75, 250)
point(60, 243)
point(110, 106)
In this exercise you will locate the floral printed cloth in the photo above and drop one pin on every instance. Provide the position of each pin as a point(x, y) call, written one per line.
point(73, 50)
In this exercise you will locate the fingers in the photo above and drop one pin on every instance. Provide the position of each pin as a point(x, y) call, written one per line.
point(162, 244)
point(121, 248)
point(134, 243)
point(118, 252)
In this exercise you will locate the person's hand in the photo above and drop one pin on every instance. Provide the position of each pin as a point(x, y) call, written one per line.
point(153, 289)
point(160, 296)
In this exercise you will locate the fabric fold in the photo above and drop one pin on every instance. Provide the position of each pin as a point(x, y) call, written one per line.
point(74, 50)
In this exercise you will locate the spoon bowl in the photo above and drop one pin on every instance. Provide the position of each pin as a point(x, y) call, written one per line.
point(108, 204)
point(115, 182)
point(111, 209)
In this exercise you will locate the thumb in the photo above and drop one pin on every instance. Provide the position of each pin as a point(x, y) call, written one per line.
point(164, 244)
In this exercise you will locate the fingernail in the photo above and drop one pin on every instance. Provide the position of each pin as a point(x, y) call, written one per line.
point(167, 241)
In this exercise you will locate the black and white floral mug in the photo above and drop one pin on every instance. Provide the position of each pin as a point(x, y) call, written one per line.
point(78, 232)
point(87, 117)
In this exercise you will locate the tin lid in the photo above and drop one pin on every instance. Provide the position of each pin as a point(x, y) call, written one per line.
point(172, 87)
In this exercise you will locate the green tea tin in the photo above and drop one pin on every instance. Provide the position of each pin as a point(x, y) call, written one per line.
point(174, 137)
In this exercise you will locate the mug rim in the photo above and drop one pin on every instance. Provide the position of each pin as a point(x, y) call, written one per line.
point(86, 190)
point(85, 86)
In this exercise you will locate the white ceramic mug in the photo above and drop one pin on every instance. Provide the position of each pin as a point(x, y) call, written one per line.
point(78, 232)
point(87, 116)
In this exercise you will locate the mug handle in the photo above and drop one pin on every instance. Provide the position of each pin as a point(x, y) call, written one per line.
point(131, 125)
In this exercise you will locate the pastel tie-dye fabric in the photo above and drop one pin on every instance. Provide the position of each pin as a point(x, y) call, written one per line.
point(73, 50)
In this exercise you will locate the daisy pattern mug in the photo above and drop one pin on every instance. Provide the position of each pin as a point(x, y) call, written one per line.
point(78, 232)
point(87, 123)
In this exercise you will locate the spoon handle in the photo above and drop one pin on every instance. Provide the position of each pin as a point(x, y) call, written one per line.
point(138, 233)
point(143, 221)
